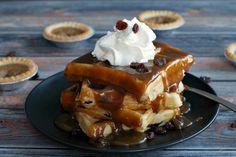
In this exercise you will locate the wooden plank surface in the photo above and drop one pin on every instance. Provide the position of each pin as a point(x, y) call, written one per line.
point(209, 28)
point(75, 153)
point(17, 132)
point(14, 127)
point(34, 45)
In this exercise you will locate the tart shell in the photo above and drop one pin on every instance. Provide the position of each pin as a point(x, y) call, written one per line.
point(27, 73)
point(161, 19)
point(83, 31)
point(230, 51)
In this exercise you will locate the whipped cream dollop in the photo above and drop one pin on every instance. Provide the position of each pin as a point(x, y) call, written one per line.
point(127, 44)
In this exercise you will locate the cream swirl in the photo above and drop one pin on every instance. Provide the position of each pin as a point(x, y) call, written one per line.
point(123, 47)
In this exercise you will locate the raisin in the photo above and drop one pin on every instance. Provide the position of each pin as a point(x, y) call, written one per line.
point(101, 142)
point(121, 25)
point(76, 132)
point(135, 28)
point(233, 124)
point(139, 67)
point(11, 54)
point(150, 135)
point(169, 125)
point(160, 130)
point(160, 61)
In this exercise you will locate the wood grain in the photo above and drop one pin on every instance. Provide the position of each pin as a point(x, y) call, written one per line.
point(33, 45)
point(17, 132)
point(14, 127)
point(74, 153)
point(209, 28)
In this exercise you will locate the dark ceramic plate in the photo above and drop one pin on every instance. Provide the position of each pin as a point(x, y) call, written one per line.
point(43, 105)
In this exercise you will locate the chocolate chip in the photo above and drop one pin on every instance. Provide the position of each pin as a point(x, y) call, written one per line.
point(169, 126)
point(233, 124)
point(160, 130)
point(150, 135)
point(206, 79)
point(139, 67)
point(135, 28)
point(11, 54)
point(160, 61)
point(121, 25)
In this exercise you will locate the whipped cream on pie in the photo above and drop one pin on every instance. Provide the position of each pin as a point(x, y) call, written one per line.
point(131, 41)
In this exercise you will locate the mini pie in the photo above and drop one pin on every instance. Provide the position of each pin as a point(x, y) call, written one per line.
point(13, 69)
point(161, 19)
point(67, 31)
point(230, 51)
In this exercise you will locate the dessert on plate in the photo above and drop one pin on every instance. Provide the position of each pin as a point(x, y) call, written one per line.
point(128, 83)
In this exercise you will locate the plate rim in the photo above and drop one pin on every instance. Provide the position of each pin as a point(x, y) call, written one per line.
point(95, 149)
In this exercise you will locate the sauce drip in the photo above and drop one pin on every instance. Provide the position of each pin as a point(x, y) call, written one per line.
point(127, 138)
point(157, 102)
point(65, 122)
point(181, 122)
point(185, 108)
point(109, 99)
point(173, 87)
point(171, 72)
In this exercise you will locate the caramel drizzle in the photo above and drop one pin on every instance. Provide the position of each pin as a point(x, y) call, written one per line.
point(111, 98)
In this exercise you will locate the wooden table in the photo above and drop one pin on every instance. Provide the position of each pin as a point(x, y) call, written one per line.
point(210, 27)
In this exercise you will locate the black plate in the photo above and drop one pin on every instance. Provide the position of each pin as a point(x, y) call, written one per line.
point(43, 105)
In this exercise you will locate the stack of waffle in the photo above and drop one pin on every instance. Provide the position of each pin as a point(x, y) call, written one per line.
point(105, 98)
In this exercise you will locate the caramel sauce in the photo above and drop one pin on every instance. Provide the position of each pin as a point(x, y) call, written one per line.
point(132, 81)
point(98, 128)
point(185, 108)
point(65, 122)
point(127, 138)
point(173, 87)
point(109, 99)
point(156, 103)
point(181, 122)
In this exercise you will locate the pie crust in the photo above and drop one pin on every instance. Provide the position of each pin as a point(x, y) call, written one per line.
point(68, 31)
point(14, 69)
point(161, 19)
point(230, 51)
